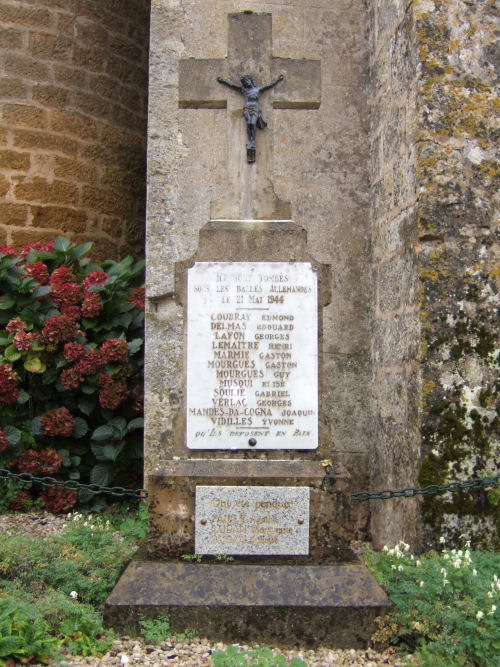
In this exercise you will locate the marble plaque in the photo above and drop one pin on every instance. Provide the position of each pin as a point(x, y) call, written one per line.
point(252, 520)
point(252, 356)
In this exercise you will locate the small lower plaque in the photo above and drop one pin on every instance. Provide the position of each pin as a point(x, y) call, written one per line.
point(252, 520)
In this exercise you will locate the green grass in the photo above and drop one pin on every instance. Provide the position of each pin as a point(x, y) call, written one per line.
point(52, 591)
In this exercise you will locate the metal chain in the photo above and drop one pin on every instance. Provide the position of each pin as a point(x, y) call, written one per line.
point(119, 491)
point(431, 490)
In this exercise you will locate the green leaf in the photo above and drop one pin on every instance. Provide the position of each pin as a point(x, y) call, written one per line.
point(50, 376)
point(135, 345)
point(11, 353)
point(81, 427)
point(32, 256)
point(4, 339)
point(124, 320)
point(119, 423)
point(106, 452)
point(45, 254)
point(120, 267)
point(80, 250)
point(41, 291)
point(75, 461)
point(135, 449)
point(88, 388)
point(34, 365)
point(102, 433)
point(113, 368)
point(36, 426)
point(6, 302)
point(86, 404)
point(96, 288)
point(138, 422)
point(101, 474)
point(74, 474)
point(62, 244)
point(66, 457)
point(23, 397)
point(9, 645)
point(13, 435)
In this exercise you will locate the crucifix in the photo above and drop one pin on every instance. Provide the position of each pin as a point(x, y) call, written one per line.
point(251, 110)
point(249, 194)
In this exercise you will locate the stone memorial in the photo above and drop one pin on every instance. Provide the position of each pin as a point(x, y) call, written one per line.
point(250, 518)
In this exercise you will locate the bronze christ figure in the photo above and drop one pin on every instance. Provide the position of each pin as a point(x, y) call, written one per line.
point(251, 110)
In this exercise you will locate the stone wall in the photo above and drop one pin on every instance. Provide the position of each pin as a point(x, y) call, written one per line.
point(394, 455)
point(459, 270)
point(73, 109)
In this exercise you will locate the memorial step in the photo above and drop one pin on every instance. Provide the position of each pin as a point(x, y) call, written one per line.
point(283, 605)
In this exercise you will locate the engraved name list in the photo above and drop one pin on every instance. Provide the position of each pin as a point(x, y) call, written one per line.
point(252, 356)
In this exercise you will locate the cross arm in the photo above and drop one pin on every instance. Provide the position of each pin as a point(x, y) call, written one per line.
point(198, 86)
point(301, 88)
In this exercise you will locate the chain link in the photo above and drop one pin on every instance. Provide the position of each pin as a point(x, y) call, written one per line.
point(431, 490)
point(142, 494)
point(117, 491)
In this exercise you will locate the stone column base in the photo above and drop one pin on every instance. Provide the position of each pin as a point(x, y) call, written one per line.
point(282, 605)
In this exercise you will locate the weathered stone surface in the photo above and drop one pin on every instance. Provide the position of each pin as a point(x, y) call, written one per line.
point(321, 172)
point(75, 78)
point(394, 455)
point(282, 605)
point(172, 491)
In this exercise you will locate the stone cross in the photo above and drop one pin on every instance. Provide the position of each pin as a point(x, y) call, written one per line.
point(249, 194)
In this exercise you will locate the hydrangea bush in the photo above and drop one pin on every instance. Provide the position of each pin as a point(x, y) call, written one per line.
point(71, 370)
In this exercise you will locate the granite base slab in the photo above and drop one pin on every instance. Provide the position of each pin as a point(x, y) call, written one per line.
point(301, 606)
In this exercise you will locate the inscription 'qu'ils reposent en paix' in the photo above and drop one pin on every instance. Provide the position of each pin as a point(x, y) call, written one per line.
point(251, 110)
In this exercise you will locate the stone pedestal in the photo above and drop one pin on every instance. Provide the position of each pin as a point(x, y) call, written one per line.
point(250, 521)
point(172, 505)
point(281, 605)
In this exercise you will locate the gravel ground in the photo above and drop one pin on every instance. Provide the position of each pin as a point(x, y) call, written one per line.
point(193, 652)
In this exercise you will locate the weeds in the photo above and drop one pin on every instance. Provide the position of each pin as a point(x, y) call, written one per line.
point(260, 656)
point(446, 605)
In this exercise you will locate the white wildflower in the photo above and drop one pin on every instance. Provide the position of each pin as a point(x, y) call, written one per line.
point(474, 572)
point(490, 594)
point(73, 595)
point(422, 584)
point(479, 615)
point(400, 568)
point(493, 609)
point(442, 539)
point(418, 563)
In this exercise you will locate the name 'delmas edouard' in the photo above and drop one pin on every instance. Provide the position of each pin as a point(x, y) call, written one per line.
point(252, 341)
